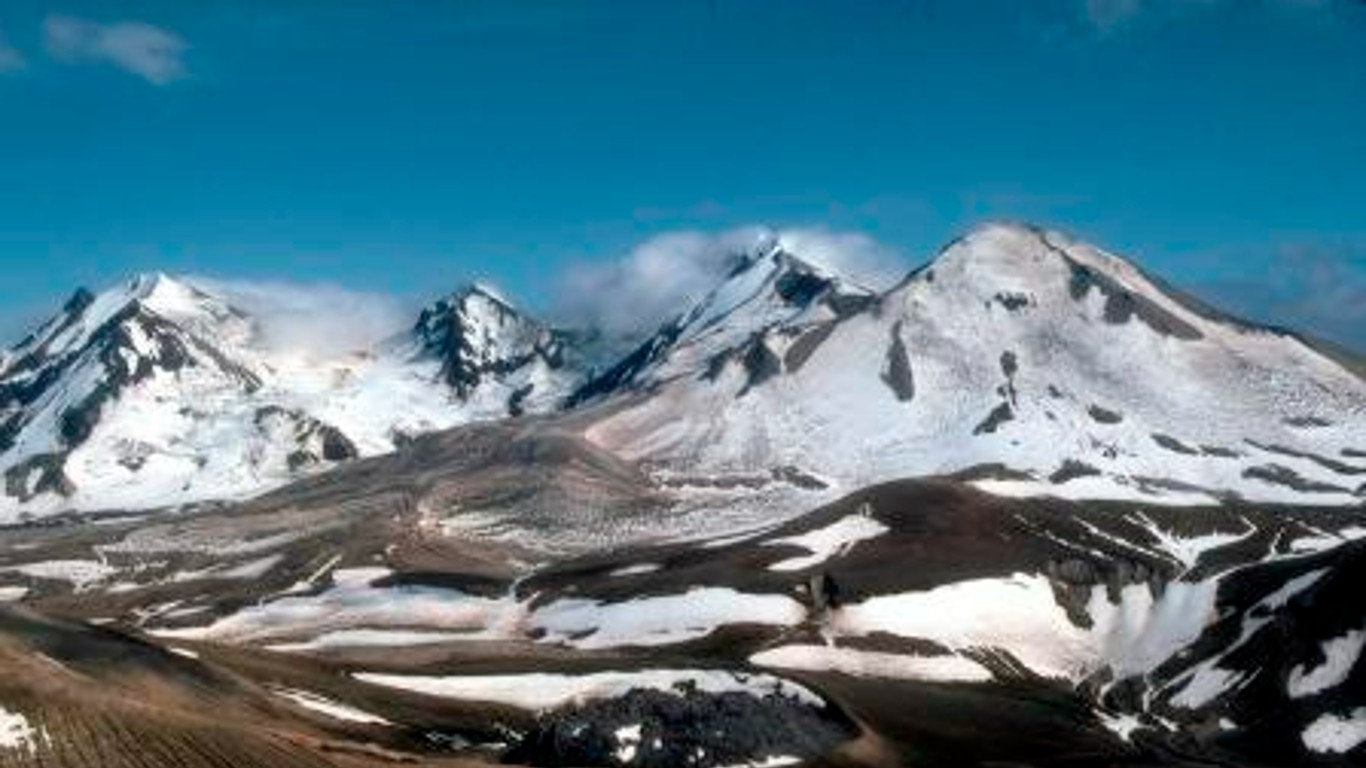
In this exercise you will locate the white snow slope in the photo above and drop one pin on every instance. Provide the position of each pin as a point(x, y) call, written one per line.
point(1016, 347)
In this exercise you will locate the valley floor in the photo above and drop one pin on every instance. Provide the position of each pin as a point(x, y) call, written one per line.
point(917, 623)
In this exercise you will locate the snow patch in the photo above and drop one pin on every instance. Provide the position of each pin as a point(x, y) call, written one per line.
point(1122, 726)
point(1020, 614)
point(834, 540)
point(315, 703)
point(1340, 656)
point(1335, 734)
point(645, 621)
point(635, 570)
point(16, 733)
point(858, 663)
point(12, 594)
point(541, 691)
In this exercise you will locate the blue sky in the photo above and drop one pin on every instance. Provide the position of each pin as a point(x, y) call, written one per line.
point(404, 147)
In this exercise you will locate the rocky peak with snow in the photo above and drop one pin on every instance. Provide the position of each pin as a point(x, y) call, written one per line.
point(768, 291)
point(490, 350)
point(60, 383)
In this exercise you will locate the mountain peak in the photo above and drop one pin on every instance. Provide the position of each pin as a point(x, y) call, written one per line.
point(481, 340)
point(478, 289)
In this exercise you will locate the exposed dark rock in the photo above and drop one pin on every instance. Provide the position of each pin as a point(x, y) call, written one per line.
point(1011, 301)
point(800, 350)
point(517, 400)
point(315, 440)
point(688, 729)
point(848, 304)
point(998, 416)
point(796, 477)
point(800, 287)
point(1221, 452)
point(51, 469)
point(336, 446)
point(760, 362)
point(1308, 422)
point(994, 471)
point(1278, 474)
point(1121, 304)
point(1174, 445)
point(896, 372)
point(1071, 470)
point(1104, 415)
point(1009, 364)
point(1330, 464)
point(79, 301)
point(824, 592)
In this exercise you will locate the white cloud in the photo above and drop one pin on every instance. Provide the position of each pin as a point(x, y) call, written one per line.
point(150, 52)
point(851, 254)
point(661, 277)
point(318, 318)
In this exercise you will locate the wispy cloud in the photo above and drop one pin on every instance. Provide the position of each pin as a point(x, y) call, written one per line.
point(662, 276)
point(313, 318)
point(1315, 288)
point(11, 60)
point(150, 52)
point(1105, 17)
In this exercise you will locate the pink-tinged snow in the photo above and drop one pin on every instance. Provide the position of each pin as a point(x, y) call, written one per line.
point(1336, 734)
point(876, 664)
point(1019, 614)
point(370, 638)
point(539, 692)
point(834, 540)
point(837, 416)
point(16, 733)
point(335, 710)
point(1340, 656)
point(353, 604)
point(661, 620)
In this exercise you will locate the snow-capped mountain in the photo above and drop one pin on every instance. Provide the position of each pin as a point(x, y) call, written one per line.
point(1025, 360)
point(767, 290)
point(157, 393)
point(1037, 363)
